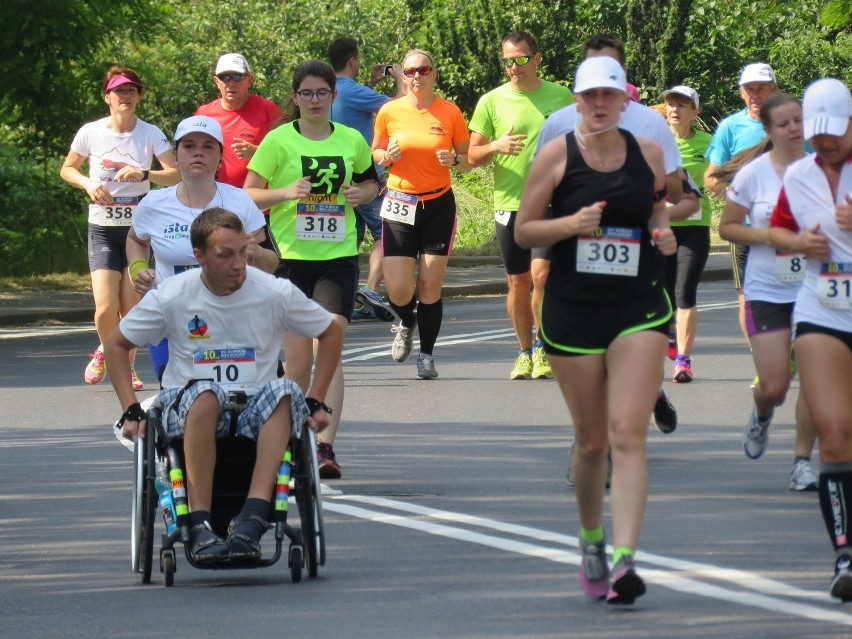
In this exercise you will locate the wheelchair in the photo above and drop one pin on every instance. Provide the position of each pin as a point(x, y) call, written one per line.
point(234, 465)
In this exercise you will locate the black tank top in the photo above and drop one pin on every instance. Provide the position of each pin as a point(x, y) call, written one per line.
point(629, 195)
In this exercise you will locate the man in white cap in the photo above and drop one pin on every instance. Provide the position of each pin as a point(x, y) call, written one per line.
point(742, 129)
point(245, 118)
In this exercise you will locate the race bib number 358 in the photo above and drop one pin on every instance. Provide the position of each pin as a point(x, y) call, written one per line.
point(834, 285)
point(615, 251)
point(119, 213)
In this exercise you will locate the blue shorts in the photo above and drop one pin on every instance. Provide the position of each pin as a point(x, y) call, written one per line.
point(367, 216)
point(251, 418)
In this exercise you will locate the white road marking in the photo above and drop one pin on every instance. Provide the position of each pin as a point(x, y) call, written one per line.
point(683, 576)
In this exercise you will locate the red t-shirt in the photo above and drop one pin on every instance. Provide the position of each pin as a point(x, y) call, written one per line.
point(250, 123)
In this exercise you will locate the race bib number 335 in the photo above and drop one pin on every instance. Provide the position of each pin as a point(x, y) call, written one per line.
point(399, 207)
point(615, 251)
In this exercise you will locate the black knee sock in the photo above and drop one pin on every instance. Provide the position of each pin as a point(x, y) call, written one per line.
point(198, 517)
point(259, 508)
point(429, 318)
point(835, 500)
point(406, 313)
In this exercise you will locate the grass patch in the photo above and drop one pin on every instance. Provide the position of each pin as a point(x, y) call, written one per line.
point(52, 282)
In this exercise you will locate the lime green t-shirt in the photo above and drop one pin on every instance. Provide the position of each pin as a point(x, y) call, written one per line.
point(524, 112)
point(321, 226)
point(692, 152)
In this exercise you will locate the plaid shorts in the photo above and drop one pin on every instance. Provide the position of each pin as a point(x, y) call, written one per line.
point(249, 421)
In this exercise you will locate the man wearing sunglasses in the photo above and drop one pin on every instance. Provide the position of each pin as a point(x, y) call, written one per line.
point(504, 129)
point(245, 118)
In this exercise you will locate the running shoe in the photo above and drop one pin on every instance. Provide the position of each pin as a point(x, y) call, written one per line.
point(665, 415)
point(523, 366)
point(682, 370)
point(138, 384)
point(756, 435)
point(594, 571)
point(671, 351)
point(426, 367)
point(803, 477)
point(626, 584)
point(540, 366)
point(368, 297)
point(362, 313)
point(402, 342)
point(96, 370)
point(841, 585)
point(326, 462)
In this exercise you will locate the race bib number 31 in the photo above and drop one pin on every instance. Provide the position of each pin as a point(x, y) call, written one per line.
point(320, 217)
point(232, 368)
point(399, 207)
point(119, 213)
point(834, 285)
point(615, 251)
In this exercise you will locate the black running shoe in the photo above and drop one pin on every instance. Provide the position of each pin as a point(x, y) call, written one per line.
point(665, 415)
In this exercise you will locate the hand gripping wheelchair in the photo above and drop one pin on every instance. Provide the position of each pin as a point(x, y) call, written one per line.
point(234, 464)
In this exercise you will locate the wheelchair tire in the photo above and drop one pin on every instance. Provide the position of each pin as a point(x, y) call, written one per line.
point(309, 500)
point(296, 558)
point(167, 567)
point(149, 510)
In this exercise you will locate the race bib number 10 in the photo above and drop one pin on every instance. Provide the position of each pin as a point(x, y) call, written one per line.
point(399, 207)
point(834, 285)
point(232, 368)
point(615, 251)
point(119, 213)
point(320, 217)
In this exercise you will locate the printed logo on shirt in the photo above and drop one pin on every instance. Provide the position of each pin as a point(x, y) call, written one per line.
point(176, 231)
point(197, 328)
point(109, 165)
point(326, 172)
point(250, 137)
point(436, 128)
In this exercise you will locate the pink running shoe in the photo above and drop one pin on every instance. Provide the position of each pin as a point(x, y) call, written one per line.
point(138, 384)
point(96, 370)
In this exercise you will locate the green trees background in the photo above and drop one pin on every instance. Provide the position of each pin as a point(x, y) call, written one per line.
point(54, 53)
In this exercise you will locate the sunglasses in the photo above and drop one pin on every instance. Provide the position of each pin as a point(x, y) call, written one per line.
point(521, 60)
point(307, 95)
point(231, 77)
point(412, 71)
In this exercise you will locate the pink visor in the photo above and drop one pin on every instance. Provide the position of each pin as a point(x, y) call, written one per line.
point(118, 80)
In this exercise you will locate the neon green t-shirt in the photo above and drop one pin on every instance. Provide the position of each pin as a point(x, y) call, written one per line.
point(321, 226)
point(692, 152)
point(505, 108)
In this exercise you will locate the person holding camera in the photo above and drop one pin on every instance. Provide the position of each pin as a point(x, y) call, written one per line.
point(203, 313)
point(355, 106)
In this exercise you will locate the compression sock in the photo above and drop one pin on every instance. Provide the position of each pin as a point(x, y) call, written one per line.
point(406, 313)
point(835, 500)
point(429, 317)
point(593, 536)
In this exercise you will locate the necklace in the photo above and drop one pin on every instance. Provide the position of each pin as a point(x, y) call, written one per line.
point(189, 199)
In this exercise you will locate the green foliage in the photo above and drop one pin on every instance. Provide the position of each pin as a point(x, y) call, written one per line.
point(837, 15)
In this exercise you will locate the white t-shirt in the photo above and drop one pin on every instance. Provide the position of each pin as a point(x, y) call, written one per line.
point(756, 187)
point(162, 220)
point(640, 120)
point(199, 324)
point(107, 152)
point(807, 201)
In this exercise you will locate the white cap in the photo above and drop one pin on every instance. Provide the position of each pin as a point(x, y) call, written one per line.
point(826, 108)
point(232, 62)
point(600, 72)
point(685, 91)
point(200, 124)
point(757, 72)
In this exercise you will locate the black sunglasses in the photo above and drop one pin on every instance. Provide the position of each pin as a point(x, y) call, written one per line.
point(412, 71)
point(231, 77)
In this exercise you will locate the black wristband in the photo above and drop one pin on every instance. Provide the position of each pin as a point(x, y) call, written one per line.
point(457, 159)
point(134, 413)
point(145, 173)
point(314, 405)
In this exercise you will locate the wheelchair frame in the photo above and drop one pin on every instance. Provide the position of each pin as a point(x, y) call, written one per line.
point(307, 543)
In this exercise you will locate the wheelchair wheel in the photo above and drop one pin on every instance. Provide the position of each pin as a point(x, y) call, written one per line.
point(167, 567)
point(309, 499)
point(143, 508)
point(296, 559)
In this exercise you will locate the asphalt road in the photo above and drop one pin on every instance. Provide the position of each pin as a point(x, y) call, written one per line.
point(453, 518)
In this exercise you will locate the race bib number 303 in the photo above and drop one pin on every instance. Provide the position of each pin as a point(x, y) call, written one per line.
point(614, 251)
point(231, 368)
point(320, 218)
point(399, 207)
point(834, 285)
point(119, 213)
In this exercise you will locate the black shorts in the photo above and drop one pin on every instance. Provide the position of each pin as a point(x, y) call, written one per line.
point(330, 283)
point(684, 268)
point(766, 317)
point(432, 233)
point(107, 247)
point(571, 328)
point(803, 328)
point(516, 260)
point(739, 257)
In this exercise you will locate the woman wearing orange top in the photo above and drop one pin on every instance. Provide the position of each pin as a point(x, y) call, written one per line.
point(418, 137)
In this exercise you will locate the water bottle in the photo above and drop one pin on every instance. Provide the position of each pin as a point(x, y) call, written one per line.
point(163, 486)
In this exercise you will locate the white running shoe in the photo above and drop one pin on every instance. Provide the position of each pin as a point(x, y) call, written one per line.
point(803, 476)
point(756, 435)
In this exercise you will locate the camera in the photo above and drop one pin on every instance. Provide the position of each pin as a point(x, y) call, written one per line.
point(387, 69)
point(236, 401)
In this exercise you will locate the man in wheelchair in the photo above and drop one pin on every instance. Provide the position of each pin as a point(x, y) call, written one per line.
point(225, 323)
